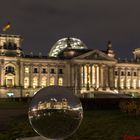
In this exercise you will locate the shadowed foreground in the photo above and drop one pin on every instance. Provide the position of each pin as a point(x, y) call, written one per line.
point(103, 124)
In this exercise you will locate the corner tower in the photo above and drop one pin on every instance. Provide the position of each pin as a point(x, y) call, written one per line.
point(10, 45)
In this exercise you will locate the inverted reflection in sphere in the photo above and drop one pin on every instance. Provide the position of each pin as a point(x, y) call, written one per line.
point(55, 112)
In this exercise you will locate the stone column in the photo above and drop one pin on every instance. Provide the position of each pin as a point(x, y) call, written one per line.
point(91, 76)
point(106, 76)
point(132, 76)
point(95, 75)
point(78, 78)
point(101, 76)
point(17, 71)
point(75, 79)
point(125, 80)
point(81, 71)
point(88, 77)
point(119, 78)
point(83, 76)
point(21, 74)
point(2, 73)
point(111, 77)
point(48, 75)
point(67, 75)
point(72, 75)
point(31, 76)
point(137, 78)
point(39, 76)
point(56, 75)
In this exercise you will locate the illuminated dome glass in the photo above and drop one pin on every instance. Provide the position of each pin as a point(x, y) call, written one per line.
point(61, 44)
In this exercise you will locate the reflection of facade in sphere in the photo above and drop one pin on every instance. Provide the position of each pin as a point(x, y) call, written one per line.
point(55, 112)
point(53, 104)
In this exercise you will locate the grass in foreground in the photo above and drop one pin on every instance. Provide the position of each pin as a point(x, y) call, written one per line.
point(96, 125)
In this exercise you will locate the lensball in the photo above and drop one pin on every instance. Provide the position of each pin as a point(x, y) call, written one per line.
point(55, 112)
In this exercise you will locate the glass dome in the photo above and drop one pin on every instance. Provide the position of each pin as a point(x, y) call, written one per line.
point(61, 44)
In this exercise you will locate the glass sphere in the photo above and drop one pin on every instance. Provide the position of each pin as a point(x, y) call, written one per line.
point(55, 112)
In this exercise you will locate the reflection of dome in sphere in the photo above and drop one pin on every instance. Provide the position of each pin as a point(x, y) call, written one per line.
point(63, 43)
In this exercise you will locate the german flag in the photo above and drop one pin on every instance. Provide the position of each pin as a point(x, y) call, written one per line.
point(6, 27)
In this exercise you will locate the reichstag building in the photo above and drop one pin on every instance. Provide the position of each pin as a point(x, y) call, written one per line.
point(69, 63)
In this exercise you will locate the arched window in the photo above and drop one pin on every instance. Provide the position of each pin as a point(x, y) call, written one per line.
point(138, 83)
point(52, 81)
point(26, 69)
point(128, 83)
point(60, 81)
point(9, 69)
point(122, 83)
point(43, 81)
point(134, 83)
point(116, 82)
point(35, 82)
point(26, 82)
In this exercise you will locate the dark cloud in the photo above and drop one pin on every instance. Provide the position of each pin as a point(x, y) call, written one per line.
point(42, 23)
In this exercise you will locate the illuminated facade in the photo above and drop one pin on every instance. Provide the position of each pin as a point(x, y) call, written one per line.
point(70, 63)
point(53, 104)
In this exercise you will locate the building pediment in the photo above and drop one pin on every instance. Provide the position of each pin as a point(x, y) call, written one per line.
point(95, 55)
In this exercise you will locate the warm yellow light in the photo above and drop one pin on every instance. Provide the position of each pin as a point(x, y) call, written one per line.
point(26, 69)
point(134, 83)
point(128, 83)
point(97, 77)
point(93, 75)
point(35, 82)
point(26, 82)
point(60, 81)
point(43, 82)
point(52, 81)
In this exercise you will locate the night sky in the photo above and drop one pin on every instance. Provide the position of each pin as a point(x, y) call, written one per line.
point(42, 22)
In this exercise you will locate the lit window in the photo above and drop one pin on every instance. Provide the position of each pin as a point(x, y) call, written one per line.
point(35, 82)
point(128, 83)
point(60, 81)
point(10, 94)
point(26, 82)
point(116, 83)
point(139, 83)
point(85, 69)
point(9, 82)
point(134, 83)
point(26, 69)
point(52, 81)
point(122, 83)
point(43, 82)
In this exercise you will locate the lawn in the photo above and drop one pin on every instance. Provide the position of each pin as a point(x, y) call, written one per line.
point(96, 125)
